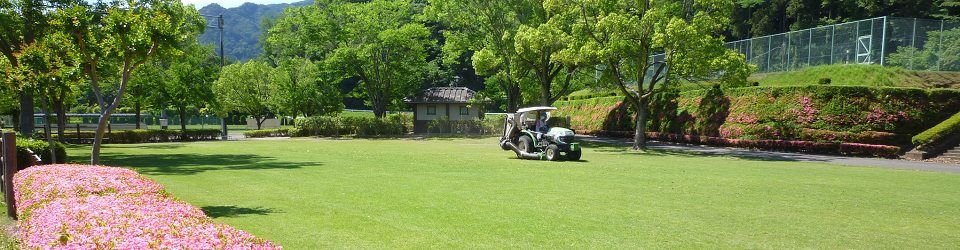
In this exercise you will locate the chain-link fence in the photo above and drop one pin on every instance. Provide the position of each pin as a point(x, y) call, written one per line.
point(912, 43)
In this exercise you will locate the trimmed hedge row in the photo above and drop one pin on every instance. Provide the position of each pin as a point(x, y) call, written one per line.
point(855, 114)
point(489, 125)
point(280, 132)
point(392, 125)
point(151, 135)
point(97, 207)
point(938, 132)
point(858, 149)
point(39, 147)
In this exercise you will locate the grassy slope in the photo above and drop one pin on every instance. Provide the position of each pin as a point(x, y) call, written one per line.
point(467, 193)
point(869, 75)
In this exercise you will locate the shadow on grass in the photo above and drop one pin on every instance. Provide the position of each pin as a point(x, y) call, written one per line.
point(187, 164)
point(234, 211)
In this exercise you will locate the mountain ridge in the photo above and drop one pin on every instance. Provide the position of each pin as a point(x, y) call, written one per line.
point(242, 27)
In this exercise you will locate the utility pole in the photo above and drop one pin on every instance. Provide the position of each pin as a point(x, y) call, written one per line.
point(223, 120)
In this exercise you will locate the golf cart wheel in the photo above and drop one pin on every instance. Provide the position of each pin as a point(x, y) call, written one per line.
point(525, 144)
point(553, 153)
point(574, 155)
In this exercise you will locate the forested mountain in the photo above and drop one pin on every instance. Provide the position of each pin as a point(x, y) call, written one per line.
point(242, 27)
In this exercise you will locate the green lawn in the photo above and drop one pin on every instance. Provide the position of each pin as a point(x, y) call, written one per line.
point(467, 193)
point(858, 74)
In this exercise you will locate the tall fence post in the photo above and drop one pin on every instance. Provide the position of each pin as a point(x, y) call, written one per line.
point(9, 143)
point(883, 41)
point(940, 47)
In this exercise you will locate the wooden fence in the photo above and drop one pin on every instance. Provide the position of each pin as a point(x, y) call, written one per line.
point(9, 158)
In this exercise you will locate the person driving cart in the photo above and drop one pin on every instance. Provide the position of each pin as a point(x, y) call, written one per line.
point(541, 125)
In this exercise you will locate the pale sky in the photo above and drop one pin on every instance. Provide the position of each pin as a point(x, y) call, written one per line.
point(233, 3)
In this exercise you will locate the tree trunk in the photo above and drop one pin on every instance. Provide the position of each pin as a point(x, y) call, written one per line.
point(136, 108)
point(26, 113)
point(183, 125)
point(61, 118)
point(98, 136)
point(545, 94)
point(46, 132)
point(260, 121)
point(513, 98)
point(640, 136)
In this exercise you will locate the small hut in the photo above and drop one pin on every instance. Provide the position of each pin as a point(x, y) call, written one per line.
point(454, 103)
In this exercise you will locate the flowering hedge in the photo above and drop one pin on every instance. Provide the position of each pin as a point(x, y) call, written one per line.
point(829, 114)
point(858, 149)
point(96, 207)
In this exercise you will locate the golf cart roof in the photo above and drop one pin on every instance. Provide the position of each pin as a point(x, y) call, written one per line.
point(531, 109)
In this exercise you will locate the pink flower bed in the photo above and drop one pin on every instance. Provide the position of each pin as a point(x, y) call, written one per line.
point(95, 207)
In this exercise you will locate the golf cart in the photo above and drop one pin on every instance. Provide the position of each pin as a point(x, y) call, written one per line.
point(527, 134)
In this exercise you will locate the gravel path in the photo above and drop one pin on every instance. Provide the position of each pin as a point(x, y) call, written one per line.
point(786, 156)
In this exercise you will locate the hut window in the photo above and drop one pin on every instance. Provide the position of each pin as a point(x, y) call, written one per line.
point(432, 110)
point(464, 110)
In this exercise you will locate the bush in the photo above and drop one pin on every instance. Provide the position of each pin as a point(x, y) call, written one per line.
point(282, 132)
point(149, 135)
point(939, 132)
point(824, 81)
point(39, 147)
point(856, 114)
point(78, 206)
point(784, 145)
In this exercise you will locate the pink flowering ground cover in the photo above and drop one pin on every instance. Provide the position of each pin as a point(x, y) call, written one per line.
point(96, 207)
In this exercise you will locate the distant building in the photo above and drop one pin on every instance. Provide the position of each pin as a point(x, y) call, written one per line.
point(456, 103)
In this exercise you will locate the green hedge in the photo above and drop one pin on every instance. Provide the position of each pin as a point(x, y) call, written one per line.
point(489, 125)
point(822, 113)
point(392, 125)
point(938, 132)
point(41, 148)
point(149, 135)
point(281, 132)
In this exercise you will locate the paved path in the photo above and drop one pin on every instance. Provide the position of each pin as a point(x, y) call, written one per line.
point(785, 156)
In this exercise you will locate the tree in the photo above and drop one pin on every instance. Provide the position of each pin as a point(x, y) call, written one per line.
point(299, 87)
point(310, 32)
point(244, 88)
point(488, 28)
point(537, 49)
point(383, 47)
point(189, 79)
point(125, 35)
point(623, 35)
point(47, 68)
point(22, 23)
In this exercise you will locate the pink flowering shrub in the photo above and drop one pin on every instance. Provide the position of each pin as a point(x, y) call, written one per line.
point(96, 207)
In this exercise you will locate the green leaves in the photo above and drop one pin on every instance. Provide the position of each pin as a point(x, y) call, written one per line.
point(245, 88)
point(300, 86)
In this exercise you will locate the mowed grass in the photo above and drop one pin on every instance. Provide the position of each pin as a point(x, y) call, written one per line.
point(861, 75)
point(467, 193)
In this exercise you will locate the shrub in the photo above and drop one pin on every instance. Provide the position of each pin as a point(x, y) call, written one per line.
point(857, 114)
point(77, 206)
point(392, 125)
point(784, 145)
point(41, 148)
point(150, 135)
point(938, 132)
point(282, 132)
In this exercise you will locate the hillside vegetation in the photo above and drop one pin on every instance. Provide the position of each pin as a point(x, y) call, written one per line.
point(865, 75)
